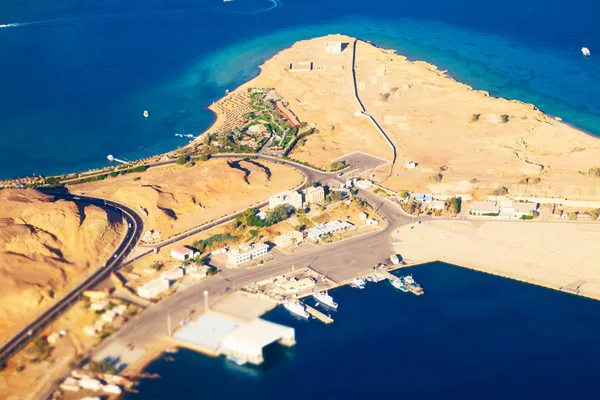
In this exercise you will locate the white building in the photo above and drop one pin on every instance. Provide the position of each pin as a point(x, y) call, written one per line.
point(523, 209)
point(289, 239)
point(314, 195)
point(289, 197)
point(363, 216)
point(333, 47)
point(411, 165)
point(172, 274)
point(484, 207)
point(182, 253)
point(243, 255)
point(327, 228)
point(437, 205)
point(363, 184)
point(197, 272)
point(153, 288)
point(371, 222)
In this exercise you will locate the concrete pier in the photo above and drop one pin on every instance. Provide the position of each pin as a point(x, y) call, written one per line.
point(319, 315)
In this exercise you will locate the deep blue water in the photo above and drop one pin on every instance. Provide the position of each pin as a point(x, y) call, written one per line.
point(76, 75)
point(471, 336)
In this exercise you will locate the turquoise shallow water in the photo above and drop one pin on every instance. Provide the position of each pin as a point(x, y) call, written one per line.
point(78, 74)
point(471, 336)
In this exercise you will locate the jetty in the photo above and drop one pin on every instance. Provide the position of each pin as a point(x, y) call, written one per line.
point(318, 315)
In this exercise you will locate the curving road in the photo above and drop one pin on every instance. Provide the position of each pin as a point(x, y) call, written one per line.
point(134, 232)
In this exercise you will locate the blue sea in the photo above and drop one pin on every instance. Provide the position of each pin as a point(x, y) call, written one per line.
point(470, 336)
point(76, 75)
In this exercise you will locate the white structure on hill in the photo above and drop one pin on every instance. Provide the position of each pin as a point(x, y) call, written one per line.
point(333, 47)
point(153, 288)
point(244, 254)
point(289, 197)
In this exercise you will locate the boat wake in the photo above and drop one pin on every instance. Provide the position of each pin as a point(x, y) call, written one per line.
point(241, 6)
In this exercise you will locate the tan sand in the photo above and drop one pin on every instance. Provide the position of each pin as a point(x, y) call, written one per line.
point(544, 253)
point(46, 248)
point(179, 198)
point(429, 118)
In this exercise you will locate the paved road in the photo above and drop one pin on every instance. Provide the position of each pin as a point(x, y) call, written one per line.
point(134, 232)
point(358, 163)
point(339, 261)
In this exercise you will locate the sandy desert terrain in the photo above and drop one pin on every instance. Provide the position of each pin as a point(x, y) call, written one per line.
point(478, 142)
point(177, 198)
point(46, 247)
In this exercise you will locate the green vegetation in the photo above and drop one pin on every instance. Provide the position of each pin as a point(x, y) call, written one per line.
point(213, 241)
point(595, 213)
point(297, 139)
point(249, 218)
point(454, 203)
point(103, 366)
point(41, 349)
point(337, 165)
point(526, 217)
point(501, 191)
point(504, 118)
point(475, 117)
point(334, 195)
point(437, 178)
point(404, 195)
point(184, 159)
point(594, 172)
point(51, 180)
point(490, 214)
point(204, 157)
point(572, 216)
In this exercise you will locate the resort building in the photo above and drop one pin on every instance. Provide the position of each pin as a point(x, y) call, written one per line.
point(289, 239)
point(153, 288)
point(333, 47)
point(258, 129)
point(287, 114)
point(245, 254)
point(363, 216)
point(289, 197)
point(182, 253)
point(314, 195)
point(327, 228)
point(484, 207)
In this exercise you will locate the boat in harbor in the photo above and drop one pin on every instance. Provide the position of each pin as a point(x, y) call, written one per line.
point(296, 308)
point(326, 299)
point(586, 52)
point(378, 277)
point(358, 283)
point(398, 284)
point(146, 114)
point(236, 360)
point(412, 285)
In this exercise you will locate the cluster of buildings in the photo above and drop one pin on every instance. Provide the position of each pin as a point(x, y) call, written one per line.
point(311, 195)
point(363, 216)
point(326, 229)
point(288, 239)
point(505, 208)
point(97, 382)
point(576, 215)
point(110, 316)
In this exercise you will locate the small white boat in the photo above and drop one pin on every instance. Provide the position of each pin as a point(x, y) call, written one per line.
point(146, 114)
point(586, 52)
point(296, 308)
point(236, 360)
point(409, 279)
point(326, 299)
point(397, 283)
point(358, 283)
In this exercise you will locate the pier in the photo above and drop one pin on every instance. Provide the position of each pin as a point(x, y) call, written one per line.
point(318, 315)
point(387, 274)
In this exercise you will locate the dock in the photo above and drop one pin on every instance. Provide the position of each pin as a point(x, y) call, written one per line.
point(387, 274)
point(318, 315)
